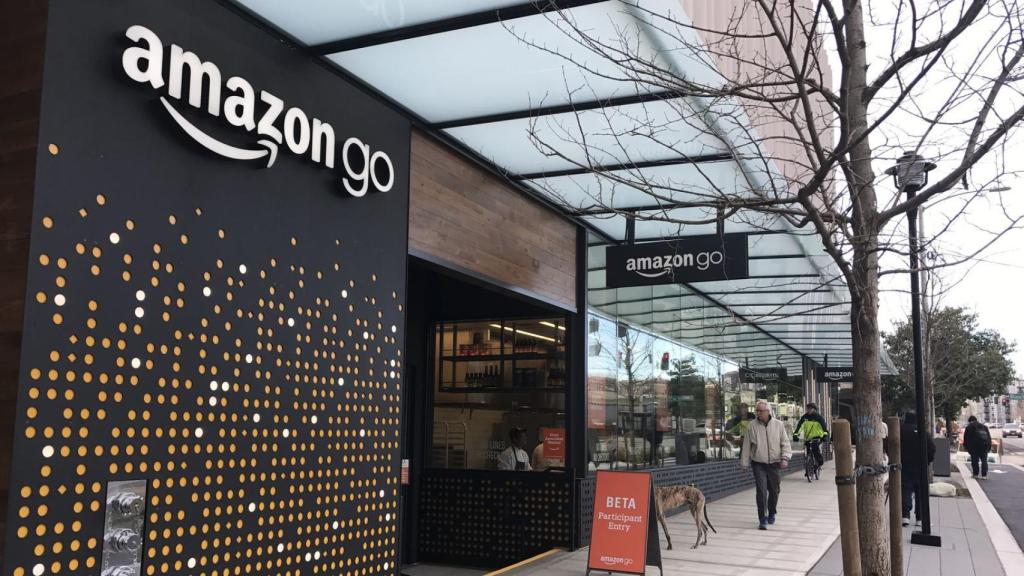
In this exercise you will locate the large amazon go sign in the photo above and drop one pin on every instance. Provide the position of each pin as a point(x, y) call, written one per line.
point(275, 123)
point(686, 259)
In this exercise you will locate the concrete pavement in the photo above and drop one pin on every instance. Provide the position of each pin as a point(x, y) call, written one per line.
point(808, 523)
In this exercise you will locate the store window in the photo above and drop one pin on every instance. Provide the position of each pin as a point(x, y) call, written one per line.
point(499, 394)
point(652, 401)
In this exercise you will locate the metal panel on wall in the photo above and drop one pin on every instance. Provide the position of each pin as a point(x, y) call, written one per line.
point(215, 305)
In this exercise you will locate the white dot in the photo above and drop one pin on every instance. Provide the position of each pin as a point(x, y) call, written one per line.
point(308, 556)
point(362, 432)
point(191, 562)
point(139, 312)
point(136, 363)
point(316, 555)
point(365, 335)
point(252, 506)
point(248, 358)
point(207, 291)
point(241, 268)
point(38, 570)
point(392, 373)
point(224, 386)
point(213, 385)
point(199, 433)
point(335, 525)
point(344, 293)
point(140, 295)
point(115, 237)
point(314, 419)
point(394, 328)
point(381, 492)
point(256, 417)
point(286, 432)
point(291, 322)
point(392, 362)
point(59, 300)
point(387, 517)
point(280, 547)
point(387, 565)
point(47, 451)
point(213, 400)
point(341, 381)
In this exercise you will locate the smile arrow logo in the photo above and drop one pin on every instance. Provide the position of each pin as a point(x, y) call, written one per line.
point(218, 147)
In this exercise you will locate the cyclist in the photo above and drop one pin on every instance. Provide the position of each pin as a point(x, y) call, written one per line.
point(812, 427)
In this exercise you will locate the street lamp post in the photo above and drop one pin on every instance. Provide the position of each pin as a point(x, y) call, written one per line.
point(911, 175)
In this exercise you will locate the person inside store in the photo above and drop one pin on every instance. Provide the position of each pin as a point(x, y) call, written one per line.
point(737, 426)
point(812, 425)
point(515, 457)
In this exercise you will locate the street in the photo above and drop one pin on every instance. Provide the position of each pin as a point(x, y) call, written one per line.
point(1004, 487)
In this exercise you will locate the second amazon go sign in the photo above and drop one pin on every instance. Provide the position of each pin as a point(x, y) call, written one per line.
point(687, 259)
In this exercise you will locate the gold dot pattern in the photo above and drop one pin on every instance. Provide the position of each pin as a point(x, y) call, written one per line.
point(259, 399)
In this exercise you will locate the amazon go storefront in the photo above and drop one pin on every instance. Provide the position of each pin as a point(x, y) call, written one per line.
point(256, 321)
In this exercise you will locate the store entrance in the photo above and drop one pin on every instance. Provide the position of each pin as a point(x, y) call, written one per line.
point(484, 424)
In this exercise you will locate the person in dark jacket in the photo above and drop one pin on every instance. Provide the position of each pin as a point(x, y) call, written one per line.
point(912, 462)
point(978, 441)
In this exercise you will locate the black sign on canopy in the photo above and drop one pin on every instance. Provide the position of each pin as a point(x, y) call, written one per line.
point(762, 375)
point(834, 374)
point(688, 259)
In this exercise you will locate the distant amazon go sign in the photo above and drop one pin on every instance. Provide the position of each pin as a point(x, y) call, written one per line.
point(686, 259)
point(274, 123)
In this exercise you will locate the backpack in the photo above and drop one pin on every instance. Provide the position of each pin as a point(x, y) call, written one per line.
point(984, 438)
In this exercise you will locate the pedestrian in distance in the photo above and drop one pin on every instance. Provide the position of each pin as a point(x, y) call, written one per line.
point(978, 442)
point(766, 450)
point(910, 447)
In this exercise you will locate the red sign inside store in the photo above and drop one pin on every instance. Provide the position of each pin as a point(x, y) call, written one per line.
point(554, 443)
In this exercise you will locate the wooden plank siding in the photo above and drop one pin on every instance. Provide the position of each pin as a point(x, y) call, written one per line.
point(463, 216)
point(22, 43)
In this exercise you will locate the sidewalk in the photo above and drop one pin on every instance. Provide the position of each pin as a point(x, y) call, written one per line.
point(967, 548)
point(808, 523)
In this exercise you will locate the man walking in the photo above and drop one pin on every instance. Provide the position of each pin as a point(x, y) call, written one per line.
point(978, 441)
point(766, 450)
point(910, 447)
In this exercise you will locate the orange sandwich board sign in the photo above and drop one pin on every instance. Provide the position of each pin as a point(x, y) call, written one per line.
point(624, 530)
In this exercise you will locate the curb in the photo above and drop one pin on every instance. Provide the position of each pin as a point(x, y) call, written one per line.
point(1010, 554)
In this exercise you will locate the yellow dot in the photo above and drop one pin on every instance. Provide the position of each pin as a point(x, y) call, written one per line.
point(54, 149)
point(129, 224)
point(44, 259)
point(58, 319)
point(47, 222)
point(101, 199)
point(40, 297)
point(172, 220)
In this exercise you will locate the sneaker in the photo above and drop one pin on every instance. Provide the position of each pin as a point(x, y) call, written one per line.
point(985, 477)
point(906, 521)
point(917, 523)
point(771, 518)
point(763, 525)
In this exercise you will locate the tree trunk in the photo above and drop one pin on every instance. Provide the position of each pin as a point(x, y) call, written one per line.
point(872, 514)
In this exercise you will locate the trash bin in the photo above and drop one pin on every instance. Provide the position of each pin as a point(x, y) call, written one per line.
point(941, 466)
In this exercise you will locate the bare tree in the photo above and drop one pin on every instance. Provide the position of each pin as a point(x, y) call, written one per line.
point(751, 82)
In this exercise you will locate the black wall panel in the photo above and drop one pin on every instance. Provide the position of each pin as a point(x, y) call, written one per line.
point(228, 332)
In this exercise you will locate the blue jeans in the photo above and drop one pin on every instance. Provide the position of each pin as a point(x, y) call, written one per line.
point(983, 457)
point(911, 495)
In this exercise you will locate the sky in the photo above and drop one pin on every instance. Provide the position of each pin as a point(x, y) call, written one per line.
point(993, 284)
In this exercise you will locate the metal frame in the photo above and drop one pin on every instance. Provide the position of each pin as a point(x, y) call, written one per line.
point(448, 25)
point(700, 159)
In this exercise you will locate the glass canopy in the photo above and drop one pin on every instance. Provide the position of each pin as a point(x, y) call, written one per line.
point(516, 86)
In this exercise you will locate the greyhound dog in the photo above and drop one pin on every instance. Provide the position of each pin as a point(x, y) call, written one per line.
point(669, 497)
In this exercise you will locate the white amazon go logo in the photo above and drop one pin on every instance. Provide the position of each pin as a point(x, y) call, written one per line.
point(655, 266)
point(276, 124)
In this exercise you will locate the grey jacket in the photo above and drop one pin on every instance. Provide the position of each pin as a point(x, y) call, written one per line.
point(765, 443)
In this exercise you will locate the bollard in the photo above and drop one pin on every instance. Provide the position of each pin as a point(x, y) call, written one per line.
point(895, 497)
point(849, 534)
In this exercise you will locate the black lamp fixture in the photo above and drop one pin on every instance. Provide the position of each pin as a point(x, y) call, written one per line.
point(910, 175)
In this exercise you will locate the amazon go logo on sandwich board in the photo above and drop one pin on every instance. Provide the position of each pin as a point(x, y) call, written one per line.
point(275, 123)
point(686, 259)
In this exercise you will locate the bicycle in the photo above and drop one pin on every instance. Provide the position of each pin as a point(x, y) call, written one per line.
point(811, 465)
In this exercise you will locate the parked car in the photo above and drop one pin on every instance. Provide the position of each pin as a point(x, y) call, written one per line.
point(1012, 430)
